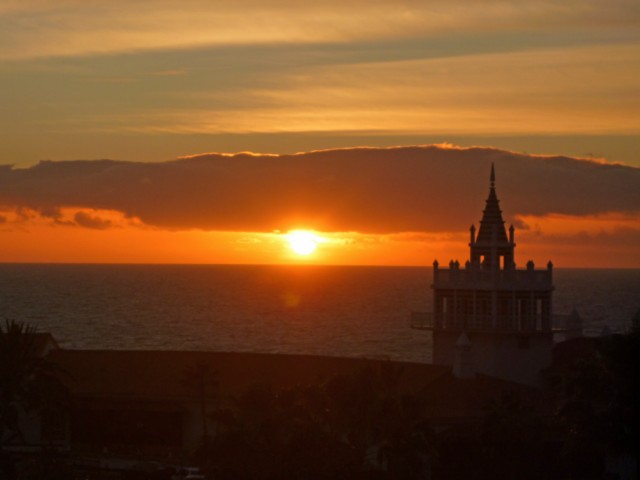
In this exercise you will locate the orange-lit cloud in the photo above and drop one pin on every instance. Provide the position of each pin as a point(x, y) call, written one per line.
point(23, 217)
point(577, 226)
point(598, 240)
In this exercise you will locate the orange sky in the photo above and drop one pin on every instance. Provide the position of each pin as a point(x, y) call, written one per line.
point(144, 83)
point(134, 244)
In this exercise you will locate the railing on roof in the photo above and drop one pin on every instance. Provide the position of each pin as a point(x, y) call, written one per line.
point(501, 279)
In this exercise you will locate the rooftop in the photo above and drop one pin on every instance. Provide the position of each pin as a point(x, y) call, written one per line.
point(159, 376)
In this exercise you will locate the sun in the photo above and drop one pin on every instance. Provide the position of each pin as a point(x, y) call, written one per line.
point(302, 242)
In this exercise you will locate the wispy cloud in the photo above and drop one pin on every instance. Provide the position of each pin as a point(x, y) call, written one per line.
point(149, 79)
point(33, 28)
point(560, 91)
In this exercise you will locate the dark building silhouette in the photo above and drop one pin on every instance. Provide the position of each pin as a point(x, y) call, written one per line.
point(488, 316)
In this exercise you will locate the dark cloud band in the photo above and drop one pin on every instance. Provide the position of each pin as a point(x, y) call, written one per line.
point(375, 190)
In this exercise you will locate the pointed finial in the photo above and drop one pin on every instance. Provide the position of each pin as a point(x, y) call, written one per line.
point(493, 175)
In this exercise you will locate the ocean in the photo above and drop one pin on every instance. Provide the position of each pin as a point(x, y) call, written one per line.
point(323, 310)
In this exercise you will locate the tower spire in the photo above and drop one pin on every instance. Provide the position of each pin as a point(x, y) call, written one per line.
point(492, 219)
point(493, 176)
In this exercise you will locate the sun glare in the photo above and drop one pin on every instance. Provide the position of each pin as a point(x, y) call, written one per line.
point(302, 242)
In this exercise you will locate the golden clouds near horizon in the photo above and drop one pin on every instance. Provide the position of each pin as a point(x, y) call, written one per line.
point(613, 245)
point(25, 218)
point(75, 235)
point(571, 227)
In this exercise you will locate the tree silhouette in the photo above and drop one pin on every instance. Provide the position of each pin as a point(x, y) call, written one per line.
point(279, 435)
point(600, 405)
point(27, 381)
point(356, 425)
point(202, 379)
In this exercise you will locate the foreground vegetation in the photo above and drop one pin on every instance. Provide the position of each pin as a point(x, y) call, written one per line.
point(361, 426)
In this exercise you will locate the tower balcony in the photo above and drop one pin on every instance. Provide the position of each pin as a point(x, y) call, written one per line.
point(561, 323)
point(486, 279)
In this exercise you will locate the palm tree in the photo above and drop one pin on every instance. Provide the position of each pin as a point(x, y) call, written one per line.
point(25, 378)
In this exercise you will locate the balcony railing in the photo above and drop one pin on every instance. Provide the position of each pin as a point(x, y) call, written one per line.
point(504, 323)
point(503, 279)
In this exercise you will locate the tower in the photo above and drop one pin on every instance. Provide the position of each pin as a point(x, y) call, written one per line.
point(505, 313)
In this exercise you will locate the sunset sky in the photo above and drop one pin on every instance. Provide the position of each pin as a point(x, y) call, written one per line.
point(121, 123)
